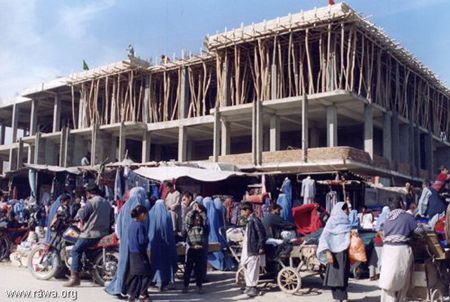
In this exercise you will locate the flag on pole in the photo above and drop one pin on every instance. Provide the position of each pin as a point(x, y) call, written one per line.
point(85, 65)
point(330, 2)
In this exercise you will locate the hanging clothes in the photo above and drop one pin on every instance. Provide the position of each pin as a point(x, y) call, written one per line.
point(286, 209)
point(330, 200)
point(308, 190)
point(118, 283)
point(163, 251)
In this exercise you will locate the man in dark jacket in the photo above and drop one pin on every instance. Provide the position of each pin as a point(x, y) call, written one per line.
point(274, 224)
point(96, 217)
point(253, 248)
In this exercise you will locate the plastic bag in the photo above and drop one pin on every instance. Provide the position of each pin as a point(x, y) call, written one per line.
point(356, 251)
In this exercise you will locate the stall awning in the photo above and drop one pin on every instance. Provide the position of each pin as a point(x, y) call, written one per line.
point(175, 172)
point(55, 169)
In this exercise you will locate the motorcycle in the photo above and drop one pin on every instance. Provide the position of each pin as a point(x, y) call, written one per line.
point(100, 261)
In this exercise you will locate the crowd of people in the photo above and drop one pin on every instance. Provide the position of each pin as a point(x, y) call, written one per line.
point(150, 229)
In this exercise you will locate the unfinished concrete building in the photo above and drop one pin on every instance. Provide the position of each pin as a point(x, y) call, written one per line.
point(316, 91)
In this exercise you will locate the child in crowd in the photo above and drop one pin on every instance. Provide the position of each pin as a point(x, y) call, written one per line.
point(139, 264)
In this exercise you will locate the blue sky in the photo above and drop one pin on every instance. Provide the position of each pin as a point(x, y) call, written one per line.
point(40, 40)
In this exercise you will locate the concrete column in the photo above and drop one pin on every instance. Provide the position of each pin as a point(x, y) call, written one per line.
point(94, 144)
point(30, 156)
point(158, 153)
point(12, 159)
point(37, 148)
point(429, 156)
point(259, 131)
point(266, 141)
point(57, 114)
point(182, 144)
point(368, 129)
point(226, 86)
point(405, 151)
point(314, 137)
point(2, 133)
point(387, 136)
point(305, 127)
point(145, 116)
point(332, 139)
point(273, 81)
point(216, 135)
point(395, 144)
point(82, 109)
point(122, 141)
point(225, 137)
point(418, 150)
point(184, 97)
point(274, 132)
point(63, 147)
point(14, 123)
point(146, 145)
point(33, 117)
point(20, 154)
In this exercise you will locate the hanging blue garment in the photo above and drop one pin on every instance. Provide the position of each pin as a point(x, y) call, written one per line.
point(286, 211)
point(118, 186)
point(354, 220)
point(286, 188)
point(154, 191)
point(51, 215)
point(163, 251)
point(118, 283)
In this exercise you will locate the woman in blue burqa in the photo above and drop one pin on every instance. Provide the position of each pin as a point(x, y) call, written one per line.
point(136, 197)
point(214, 211)
point(51, 214)
point(285, 200)
point(163, 251)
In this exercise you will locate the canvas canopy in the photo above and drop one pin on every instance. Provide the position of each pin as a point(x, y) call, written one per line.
point(175, 172)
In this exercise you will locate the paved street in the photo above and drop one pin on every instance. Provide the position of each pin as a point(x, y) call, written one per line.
point(221, 288)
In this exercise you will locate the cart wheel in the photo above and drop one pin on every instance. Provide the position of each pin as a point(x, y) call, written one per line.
point(437, 296)
point(240, 278)
point(289, 280)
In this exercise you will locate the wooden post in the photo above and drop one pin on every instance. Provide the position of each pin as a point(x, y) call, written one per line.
point(184, 94)
point(145, 108)
point(305, 128)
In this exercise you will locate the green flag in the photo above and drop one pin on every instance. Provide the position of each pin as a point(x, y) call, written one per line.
point(85, 66)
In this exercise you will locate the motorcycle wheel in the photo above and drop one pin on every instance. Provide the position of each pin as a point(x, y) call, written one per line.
point(104, 271)
point(43, 263)
point(4, 248)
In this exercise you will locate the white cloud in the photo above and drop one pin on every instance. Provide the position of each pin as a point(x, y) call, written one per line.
point(75, 19)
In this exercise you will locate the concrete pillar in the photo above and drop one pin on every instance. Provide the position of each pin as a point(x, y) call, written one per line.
point(387, 136)
point(216, 135)
point(12, 159)
point(305, 128)
point(50, 153)
point(57, 114)
point(20, 154)
point(146, 146)
point(257, 132)
point(332, 139)
point(405, 151)
point(82, 109)
point(33, 117)
point(145, 106)
point(225, 137)
point(368, 129)
point(14, 123)
point(184, 96)
point(314, 137)
point(2, 133)
point(30, 157)
point(395, 144)
point(122, 141)
point(158, 153)
point(37, 148)
point(182, 144)
point(418, 150)
point(266, 141)
point(274, 133)
point(63, 147)
point(273, 81)
point(429, 156)
point(94, 137)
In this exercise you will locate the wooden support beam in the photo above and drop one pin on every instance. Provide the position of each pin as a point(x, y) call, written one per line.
point(184, 94)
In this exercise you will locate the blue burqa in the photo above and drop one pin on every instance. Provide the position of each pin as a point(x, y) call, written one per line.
point(51, 215)
point(353, 218)
point(136, 197)
point(217, 260)
point(163, 251)
point(335, 236)
point(285, 200)
point(382, 218)
point(199, 199)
